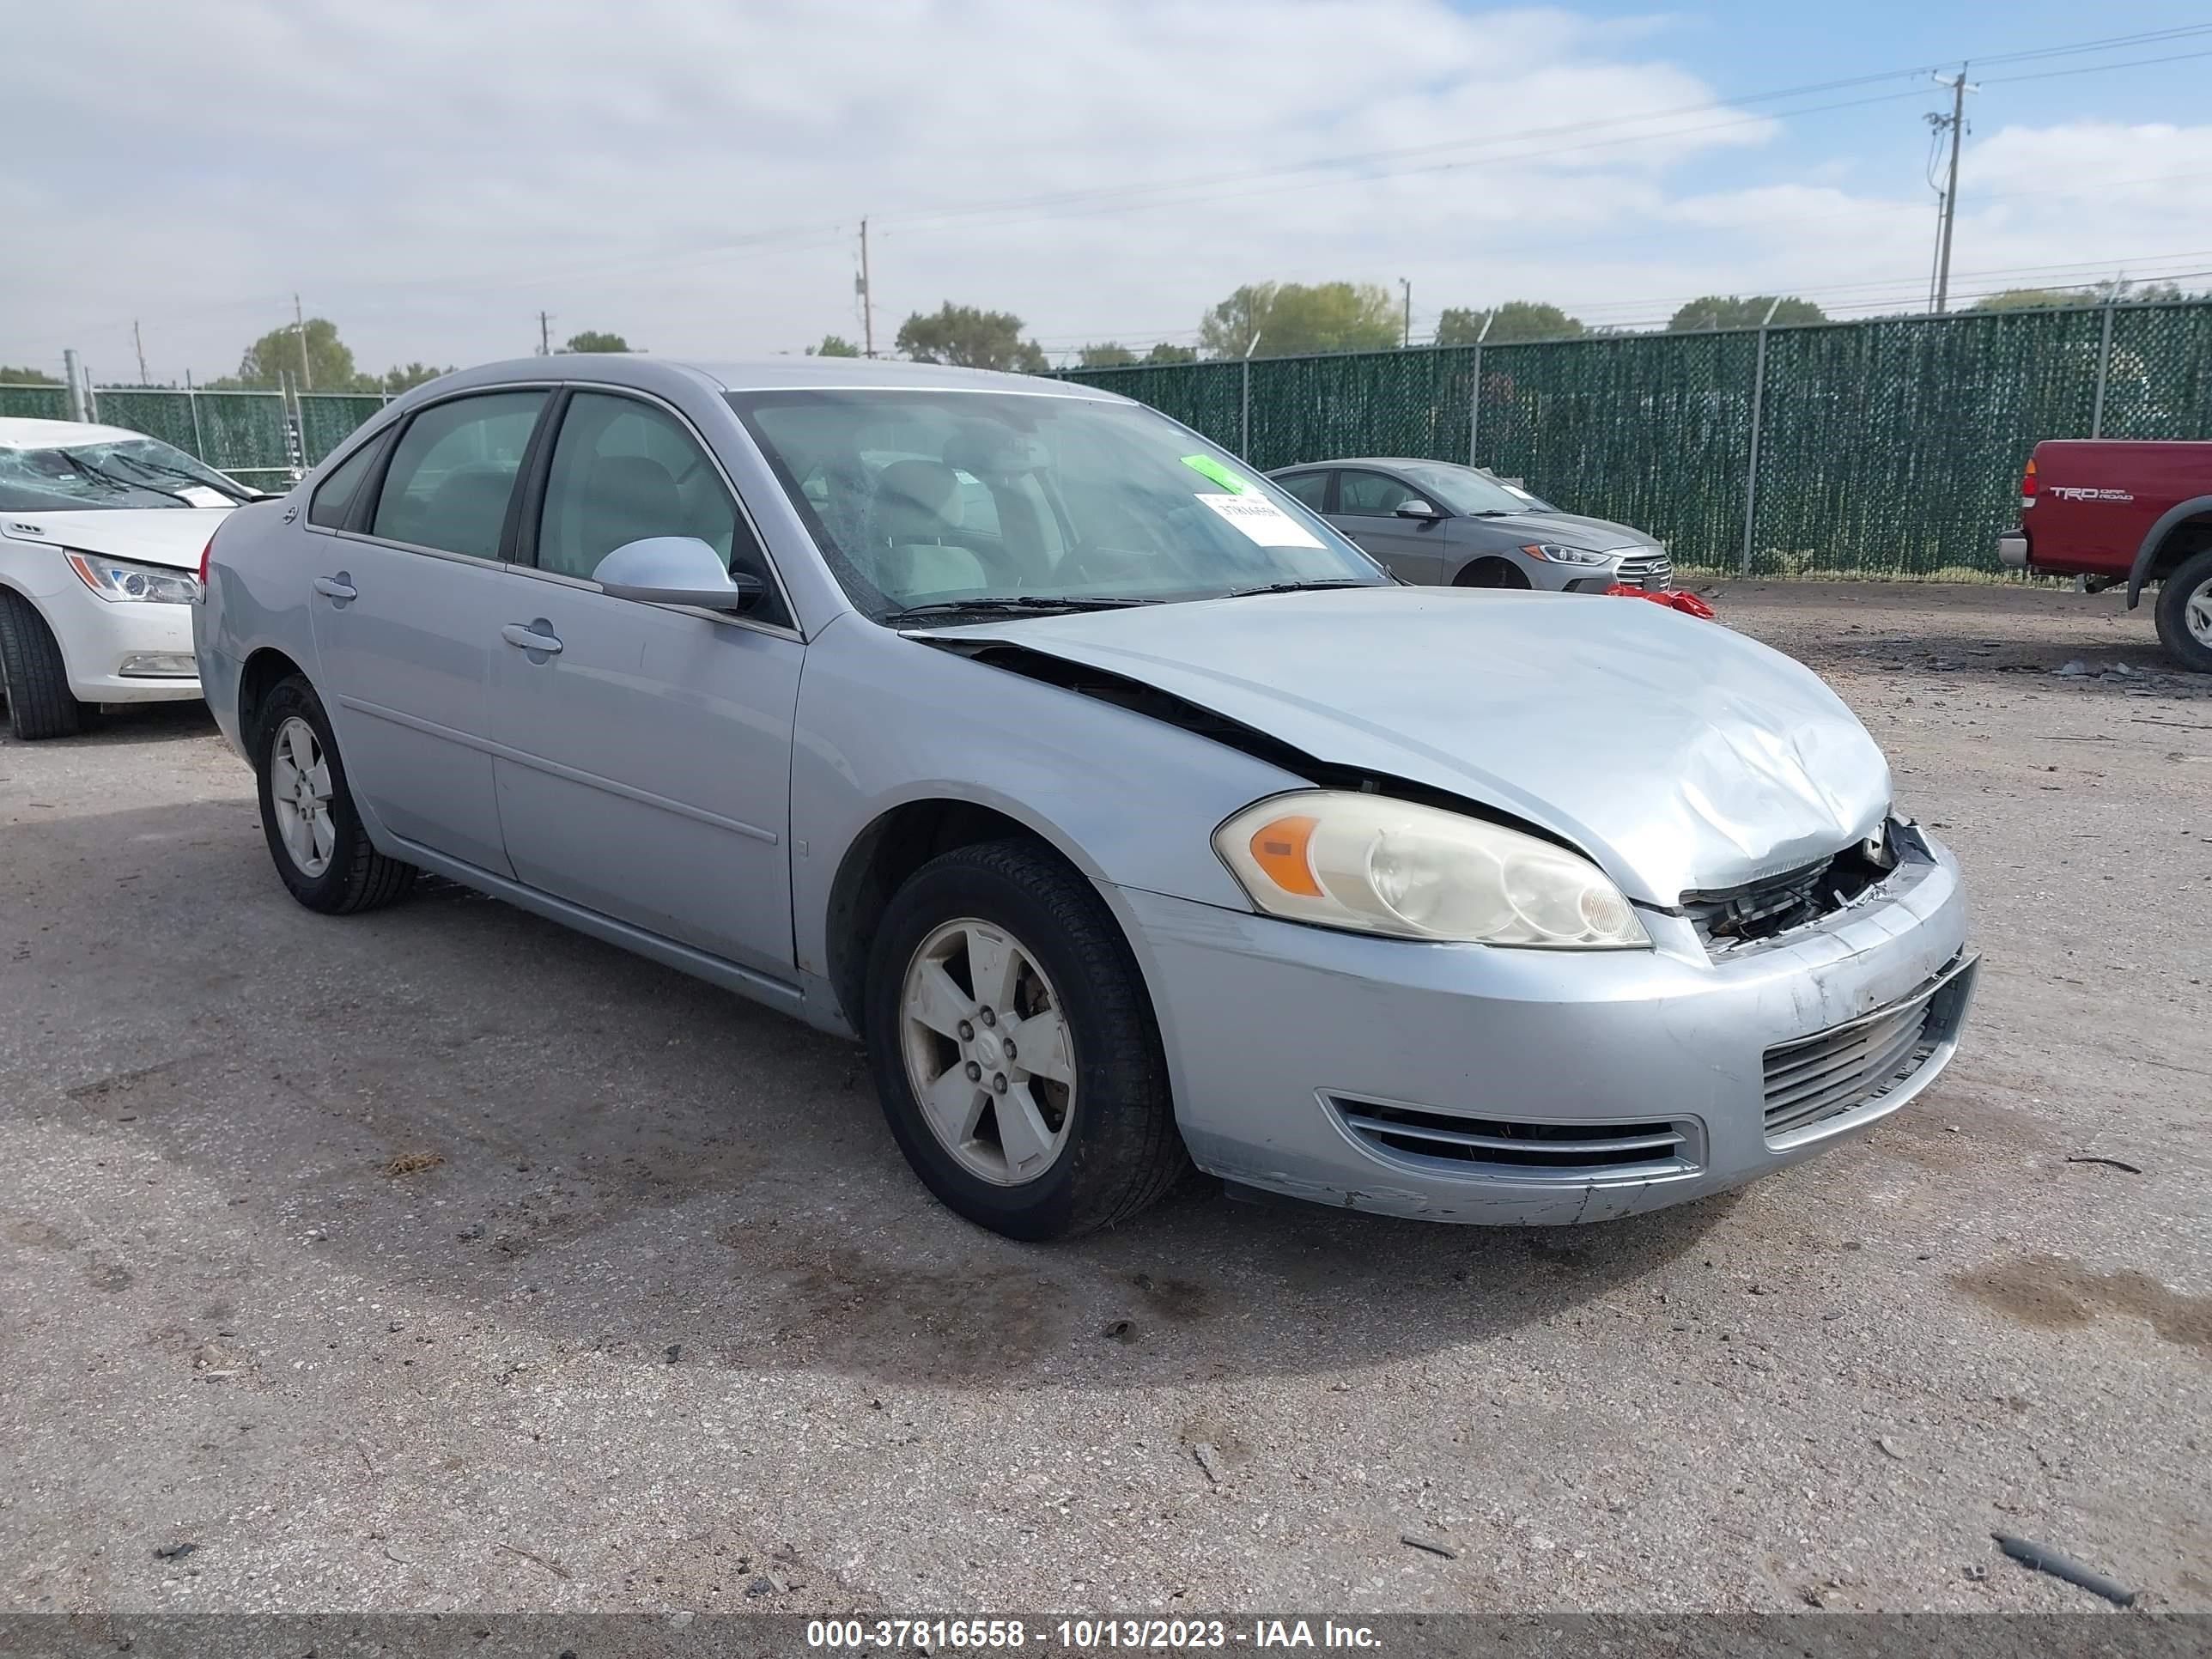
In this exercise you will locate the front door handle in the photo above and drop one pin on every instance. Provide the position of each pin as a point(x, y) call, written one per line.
point(339, 587)
point(537, 638)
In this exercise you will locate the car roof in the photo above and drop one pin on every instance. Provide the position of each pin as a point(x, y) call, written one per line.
point(765, 374)
point(27, 434)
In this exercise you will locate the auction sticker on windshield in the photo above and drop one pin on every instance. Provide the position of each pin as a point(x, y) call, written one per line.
point(1262, 521)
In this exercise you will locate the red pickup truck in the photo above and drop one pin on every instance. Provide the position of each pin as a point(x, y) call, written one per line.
point(2135, 512)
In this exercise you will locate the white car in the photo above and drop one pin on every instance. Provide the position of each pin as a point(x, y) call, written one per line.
point(102, 532)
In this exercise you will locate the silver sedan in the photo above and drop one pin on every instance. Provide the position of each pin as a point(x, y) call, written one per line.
point(1435, 521)
point(1130, 815)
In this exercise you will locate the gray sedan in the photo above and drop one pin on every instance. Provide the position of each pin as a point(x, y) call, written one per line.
point(1433, 522)
point(1128, 814)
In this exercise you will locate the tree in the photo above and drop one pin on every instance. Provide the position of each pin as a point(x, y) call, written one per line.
point(1112, 354)
point(592, 339)
point(970, 338)
point(275, 357)
point(11, 376)
point(396, 381)
point(1730, 311)
point(1164, 353)
point(1515, 320)
point(1269, 319)
point(834, 345)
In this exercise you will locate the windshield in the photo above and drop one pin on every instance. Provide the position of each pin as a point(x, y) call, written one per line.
point(112, 473)
point(1465, 490)
point(956, 500)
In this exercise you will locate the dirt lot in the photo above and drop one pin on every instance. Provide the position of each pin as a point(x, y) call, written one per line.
point(441, 1258)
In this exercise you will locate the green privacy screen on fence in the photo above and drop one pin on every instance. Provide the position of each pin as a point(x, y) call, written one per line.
point(325, 418)
point(1885, 447)
point(33, 403)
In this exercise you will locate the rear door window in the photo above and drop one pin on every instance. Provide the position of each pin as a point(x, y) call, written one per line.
point(1311, 487)
point(333, 498)
point(453, 473)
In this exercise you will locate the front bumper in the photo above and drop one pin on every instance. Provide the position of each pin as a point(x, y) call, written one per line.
point(99, 640)
point(1640, 1078)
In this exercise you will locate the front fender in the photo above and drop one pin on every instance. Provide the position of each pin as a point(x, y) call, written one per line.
point(884, 721)
point(2156, 535)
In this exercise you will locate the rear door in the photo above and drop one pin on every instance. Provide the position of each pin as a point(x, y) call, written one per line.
point(644, 759)
point(1367, 502)
point(406, 606)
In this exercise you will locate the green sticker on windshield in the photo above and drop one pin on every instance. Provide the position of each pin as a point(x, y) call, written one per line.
point(1206, 465)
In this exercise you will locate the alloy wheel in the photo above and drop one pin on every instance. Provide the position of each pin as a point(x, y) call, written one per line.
point(988, 1052)
point(300, 789)
point(2196, 613)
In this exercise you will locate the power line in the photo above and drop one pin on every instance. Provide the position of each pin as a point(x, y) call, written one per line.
point(2096, 68)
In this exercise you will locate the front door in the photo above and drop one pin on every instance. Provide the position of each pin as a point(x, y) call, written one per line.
point(1366, 510)
point(406, 609)
point(644, 758)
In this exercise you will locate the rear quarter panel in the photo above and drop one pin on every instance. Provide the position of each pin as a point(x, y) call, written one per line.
point(256, 599)
point(2096, 500)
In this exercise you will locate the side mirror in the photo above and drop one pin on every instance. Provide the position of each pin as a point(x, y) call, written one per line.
point(1415, 507)
point(675, 570)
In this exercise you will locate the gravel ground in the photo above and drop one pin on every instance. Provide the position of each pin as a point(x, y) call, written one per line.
point(442, 1258)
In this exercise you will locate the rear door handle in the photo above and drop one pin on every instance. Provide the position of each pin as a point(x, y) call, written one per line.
point(537, 638)
point(339, 587)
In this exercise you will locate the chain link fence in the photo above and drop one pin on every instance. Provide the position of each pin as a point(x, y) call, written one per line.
point(262, 438)
point(1883, 448)
point(1887, 447)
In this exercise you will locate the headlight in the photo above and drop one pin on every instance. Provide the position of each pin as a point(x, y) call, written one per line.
point(1558, 554)
point(125, 583)
point(1380, 866)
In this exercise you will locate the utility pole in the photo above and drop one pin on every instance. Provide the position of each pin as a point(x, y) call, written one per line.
point(544, 335)
point(1406, 333)
point(867, 297)
point(300, 325)
point(74, 375)
point(140, 345)
point(1956, 121)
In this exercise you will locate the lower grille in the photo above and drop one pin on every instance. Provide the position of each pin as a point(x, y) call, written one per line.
point(1652, 572)
point(1511, 1147)
point(1816, 1079)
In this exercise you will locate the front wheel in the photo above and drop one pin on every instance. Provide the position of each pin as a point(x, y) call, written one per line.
point(2185, 613)
point(39, 703)
point(321, 852)
point(1014, 1047)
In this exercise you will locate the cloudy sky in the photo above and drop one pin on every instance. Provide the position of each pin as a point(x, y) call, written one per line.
point(693, 174)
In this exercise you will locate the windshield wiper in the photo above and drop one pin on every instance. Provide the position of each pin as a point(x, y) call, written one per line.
point(101, 475)
point(161, 471)
point(1299, 588)
point(1020, 605)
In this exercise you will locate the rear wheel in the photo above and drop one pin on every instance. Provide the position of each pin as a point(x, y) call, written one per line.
point(1014, 1048)
point(314, 834)
point(2185, 613)
point(31, 670)
point(1491, 573)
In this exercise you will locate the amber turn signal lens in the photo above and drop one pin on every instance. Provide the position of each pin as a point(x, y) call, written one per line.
point(1279, 849)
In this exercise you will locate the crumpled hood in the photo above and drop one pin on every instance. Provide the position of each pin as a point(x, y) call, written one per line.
point(1680, 755)
point(1573, 529)
point(151, 535)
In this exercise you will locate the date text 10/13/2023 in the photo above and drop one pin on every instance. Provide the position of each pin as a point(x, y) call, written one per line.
point(1166, 1635)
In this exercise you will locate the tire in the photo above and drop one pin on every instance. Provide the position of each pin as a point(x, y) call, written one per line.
point(345, 874)
point(1491, 573)
point(40, 705)
point(1117, 1149)
point(2188, 588)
